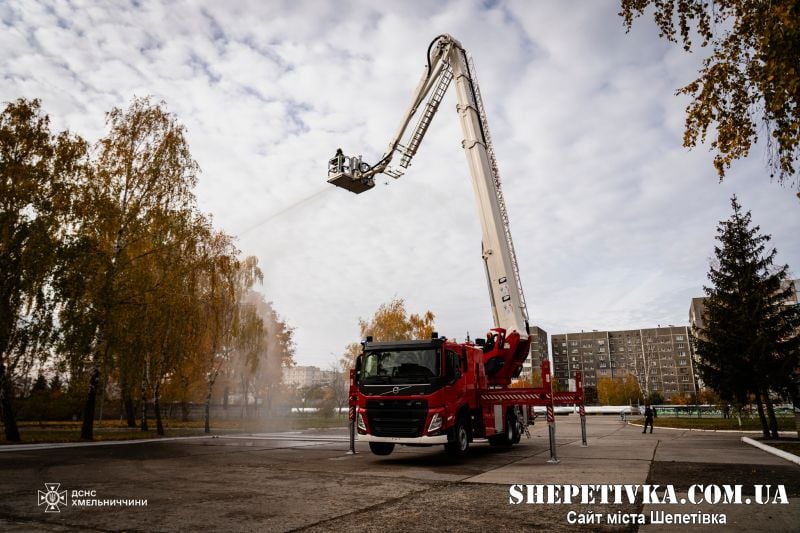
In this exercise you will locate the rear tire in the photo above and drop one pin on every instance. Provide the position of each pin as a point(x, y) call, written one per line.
point(510, 435)
point(459, 446)
point(516, 426)
point(381, 448)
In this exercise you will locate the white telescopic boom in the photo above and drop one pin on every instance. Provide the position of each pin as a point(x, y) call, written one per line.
point(447, 60)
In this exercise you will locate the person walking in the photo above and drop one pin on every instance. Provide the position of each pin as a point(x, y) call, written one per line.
point(648, 417)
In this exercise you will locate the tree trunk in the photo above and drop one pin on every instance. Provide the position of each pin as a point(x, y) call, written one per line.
point(7, 406)
point(207, 427)
point(764, 425)
point(773, 422)
point(157, 400)
point(87, 429)
point(244, 398)
point(102, 397)
point(130, 409)
point(144, 406)
point(184, 411)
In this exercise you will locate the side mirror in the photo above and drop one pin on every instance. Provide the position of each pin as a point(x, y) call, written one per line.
point(358, 369)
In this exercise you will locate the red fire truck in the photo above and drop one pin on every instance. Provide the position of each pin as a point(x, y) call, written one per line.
point(437, 391)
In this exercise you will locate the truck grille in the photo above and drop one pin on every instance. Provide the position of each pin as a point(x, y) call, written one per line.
point(397, 418)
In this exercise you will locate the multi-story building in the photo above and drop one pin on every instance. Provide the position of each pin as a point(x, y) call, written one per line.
point(697, 309)
point(306, 376)
point(539, 350)
point(659, 358)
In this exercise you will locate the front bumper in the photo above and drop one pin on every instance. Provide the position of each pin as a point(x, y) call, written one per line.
point(424, 440)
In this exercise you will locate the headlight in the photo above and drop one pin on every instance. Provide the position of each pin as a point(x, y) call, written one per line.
point(436, 423)
point(361, 425)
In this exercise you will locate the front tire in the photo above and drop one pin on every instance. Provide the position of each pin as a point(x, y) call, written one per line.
point(381, 448)
point(459, 446)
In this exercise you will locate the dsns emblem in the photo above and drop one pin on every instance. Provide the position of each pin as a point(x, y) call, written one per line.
point(52, 498)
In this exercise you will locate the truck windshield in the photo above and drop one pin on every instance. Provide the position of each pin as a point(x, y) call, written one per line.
point(401, 366)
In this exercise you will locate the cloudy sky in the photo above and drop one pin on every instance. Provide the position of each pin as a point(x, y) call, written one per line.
point(613, 221)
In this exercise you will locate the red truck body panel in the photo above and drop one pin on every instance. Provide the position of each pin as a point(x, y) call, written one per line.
point(480, 392)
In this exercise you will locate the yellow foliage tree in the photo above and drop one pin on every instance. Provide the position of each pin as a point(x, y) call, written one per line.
point(391, 322)
point(618, 391)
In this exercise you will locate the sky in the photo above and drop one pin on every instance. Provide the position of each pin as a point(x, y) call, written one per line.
point(613, 221)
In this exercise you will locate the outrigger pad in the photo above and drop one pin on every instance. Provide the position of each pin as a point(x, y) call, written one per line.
point(357, 186)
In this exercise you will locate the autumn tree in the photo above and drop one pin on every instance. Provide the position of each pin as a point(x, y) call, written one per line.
point(143, 172)
point(223, 318)
point(38, 172)
point(749, 83)
point(392, 322)
point(618, 391)
point(339, 385)
point(749, 344)
point(171, 303)
point(278, 352)
point(645, 364)
point(249, 347)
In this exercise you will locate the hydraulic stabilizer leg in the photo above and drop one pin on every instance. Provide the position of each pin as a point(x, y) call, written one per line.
point(551, 428)
point(582, 409)
point(352, 411)
point(352, 426)
point(582, 413)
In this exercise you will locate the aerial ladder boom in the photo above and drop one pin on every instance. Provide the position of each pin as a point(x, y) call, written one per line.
point(448, 61)
point(458, 398)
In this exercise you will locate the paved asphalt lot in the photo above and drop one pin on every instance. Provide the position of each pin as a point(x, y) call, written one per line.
point(306, 481)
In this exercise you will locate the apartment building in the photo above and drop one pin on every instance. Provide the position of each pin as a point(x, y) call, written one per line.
point(660, 358)
point(697, 309)
point(538, 353)
point(306, 376)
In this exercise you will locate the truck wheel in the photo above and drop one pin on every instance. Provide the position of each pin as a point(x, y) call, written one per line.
point(507, 437)
point(381, 448)
point(459, 446)
point(516, 426)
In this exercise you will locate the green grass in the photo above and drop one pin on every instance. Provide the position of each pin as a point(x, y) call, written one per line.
point(792, 446)
point(748, 424)
point(108, 430)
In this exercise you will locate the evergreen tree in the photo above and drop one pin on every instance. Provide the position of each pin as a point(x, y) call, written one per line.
point(749, 343)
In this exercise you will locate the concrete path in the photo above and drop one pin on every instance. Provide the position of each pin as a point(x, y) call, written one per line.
point(306, 481)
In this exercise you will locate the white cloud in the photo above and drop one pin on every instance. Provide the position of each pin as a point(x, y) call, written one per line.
point(613, 221)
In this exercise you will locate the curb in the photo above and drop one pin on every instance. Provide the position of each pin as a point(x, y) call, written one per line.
point(774, 451)
point(754, 432)
point(56, 445)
